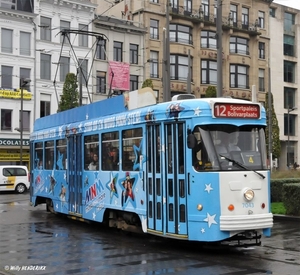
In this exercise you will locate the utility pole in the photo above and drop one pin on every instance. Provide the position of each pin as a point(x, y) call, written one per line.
point(24, 83)
point(167, 72)
point(219, 49)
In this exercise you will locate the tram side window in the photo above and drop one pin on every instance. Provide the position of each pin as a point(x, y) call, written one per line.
point(110, 151)
point(131, 149)
point(200, 157)
point(49, 155)
point(61, 157)
point(38, 148)
point(91, 152)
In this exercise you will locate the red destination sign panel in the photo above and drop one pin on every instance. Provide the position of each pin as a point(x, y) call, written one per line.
point(234, 110)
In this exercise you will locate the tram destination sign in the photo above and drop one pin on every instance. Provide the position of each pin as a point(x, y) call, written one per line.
point(236, 110)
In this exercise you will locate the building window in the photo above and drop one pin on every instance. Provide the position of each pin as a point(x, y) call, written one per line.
point(25, 73)
point(261, 19)
point(154, 29)
point(154, 64)
point(6, 41)
point(179, 67)
point(261, 80)
point(134, 82)
point(289, 22)
point(239, 45)
point(245, 18)
point(272, 12)
point(64, 67)
point(188, 6)
point(118, 51)
point(208, 72)
point(289, 126)
point(233, 14)
point(45, 66)
point(25, 43)
point(181, 34)
point(83, 38)
point(45, 28)
point(174, 4)
point(208, 40)
point(289, 72)
point(26, 121)
point(44, 108)
point(261, 50)
point(65, 25)
point(154, 1)
point(6, 77)
point(83, 64)
point(205, 9)
point(134, 54)
point(239, 76)
point(6, 118)
point(289, 100)
point(288, 45)
point(101, 82)
point(101, 49)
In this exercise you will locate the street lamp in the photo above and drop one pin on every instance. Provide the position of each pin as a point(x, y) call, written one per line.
point(288, 142)
point(24, 83)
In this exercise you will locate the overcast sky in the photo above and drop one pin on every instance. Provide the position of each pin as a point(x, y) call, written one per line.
point(290, 3)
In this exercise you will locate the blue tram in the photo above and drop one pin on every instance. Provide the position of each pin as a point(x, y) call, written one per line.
point(191, 169)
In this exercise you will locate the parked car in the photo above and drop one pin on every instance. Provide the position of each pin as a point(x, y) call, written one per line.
point(14, 178)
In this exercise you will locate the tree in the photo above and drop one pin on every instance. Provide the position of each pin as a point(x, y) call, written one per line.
point(276, 147)
point(211, 91)
point(69, 97)
point(148, 83)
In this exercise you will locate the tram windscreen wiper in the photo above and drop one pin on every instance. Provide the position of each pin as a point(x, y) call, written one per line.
point(241, 165)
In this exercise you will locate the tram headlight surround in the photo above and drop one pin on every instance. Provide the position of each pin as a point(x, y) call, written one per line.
point(248, 194)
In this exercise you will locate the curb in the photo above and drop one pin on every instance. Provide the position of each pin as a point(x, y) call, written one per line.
point(286, 217)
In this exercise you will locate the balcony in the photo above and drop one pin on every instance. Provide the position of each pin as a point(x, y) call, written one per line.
point(198, 16)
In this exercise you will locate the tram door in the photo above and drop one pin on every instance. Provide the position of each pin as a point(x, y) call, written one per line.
point(166, 179)
point(74, 174)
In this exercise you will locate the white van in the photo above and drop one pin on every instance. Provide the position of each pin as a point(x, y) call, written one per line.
point(14, 178)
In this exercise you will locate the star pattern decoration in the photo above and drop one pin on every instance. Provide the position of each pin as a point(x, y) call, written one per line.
point(94, 216)
point(112, 186)
point(197, 111)
point(59, 162)
point(208, 188)
point(202, 230)
point(80, 127)
point(138, 153)
point(210, 219)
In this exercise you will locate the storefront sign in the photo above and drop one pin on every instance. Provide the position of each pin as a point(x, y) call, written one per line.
point(15, 94)
point(13, 142)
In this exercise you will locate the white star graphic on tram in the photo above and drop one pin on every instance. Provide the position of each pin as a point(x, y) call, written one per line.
point(94, 215)
point(202, 230)
point(197, 111)
point(208, 188)
point(210, 219)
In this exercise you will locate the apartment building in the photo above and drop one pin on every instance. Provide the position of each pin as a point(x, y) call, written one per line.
point(285, 83)
point(193, 40)
point(17, 61)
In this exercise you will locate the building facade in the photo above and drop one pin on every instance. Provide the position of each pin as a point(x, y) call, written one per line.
point(17, 61)
point(284, 58)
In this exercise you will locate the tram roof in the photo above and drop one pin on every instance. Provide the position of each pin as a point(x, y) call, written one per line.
point(115, 105)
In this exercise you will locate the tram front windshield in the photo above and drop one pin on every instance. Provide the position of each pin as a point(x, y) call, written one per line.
point(228, 147)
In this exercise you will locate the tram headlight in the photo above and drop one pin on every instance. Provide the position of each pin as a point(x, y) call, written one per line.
point(249, 194)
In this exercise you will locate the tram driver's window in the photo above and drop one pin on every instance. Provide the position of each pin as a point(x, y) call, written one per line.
point(199, 154)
